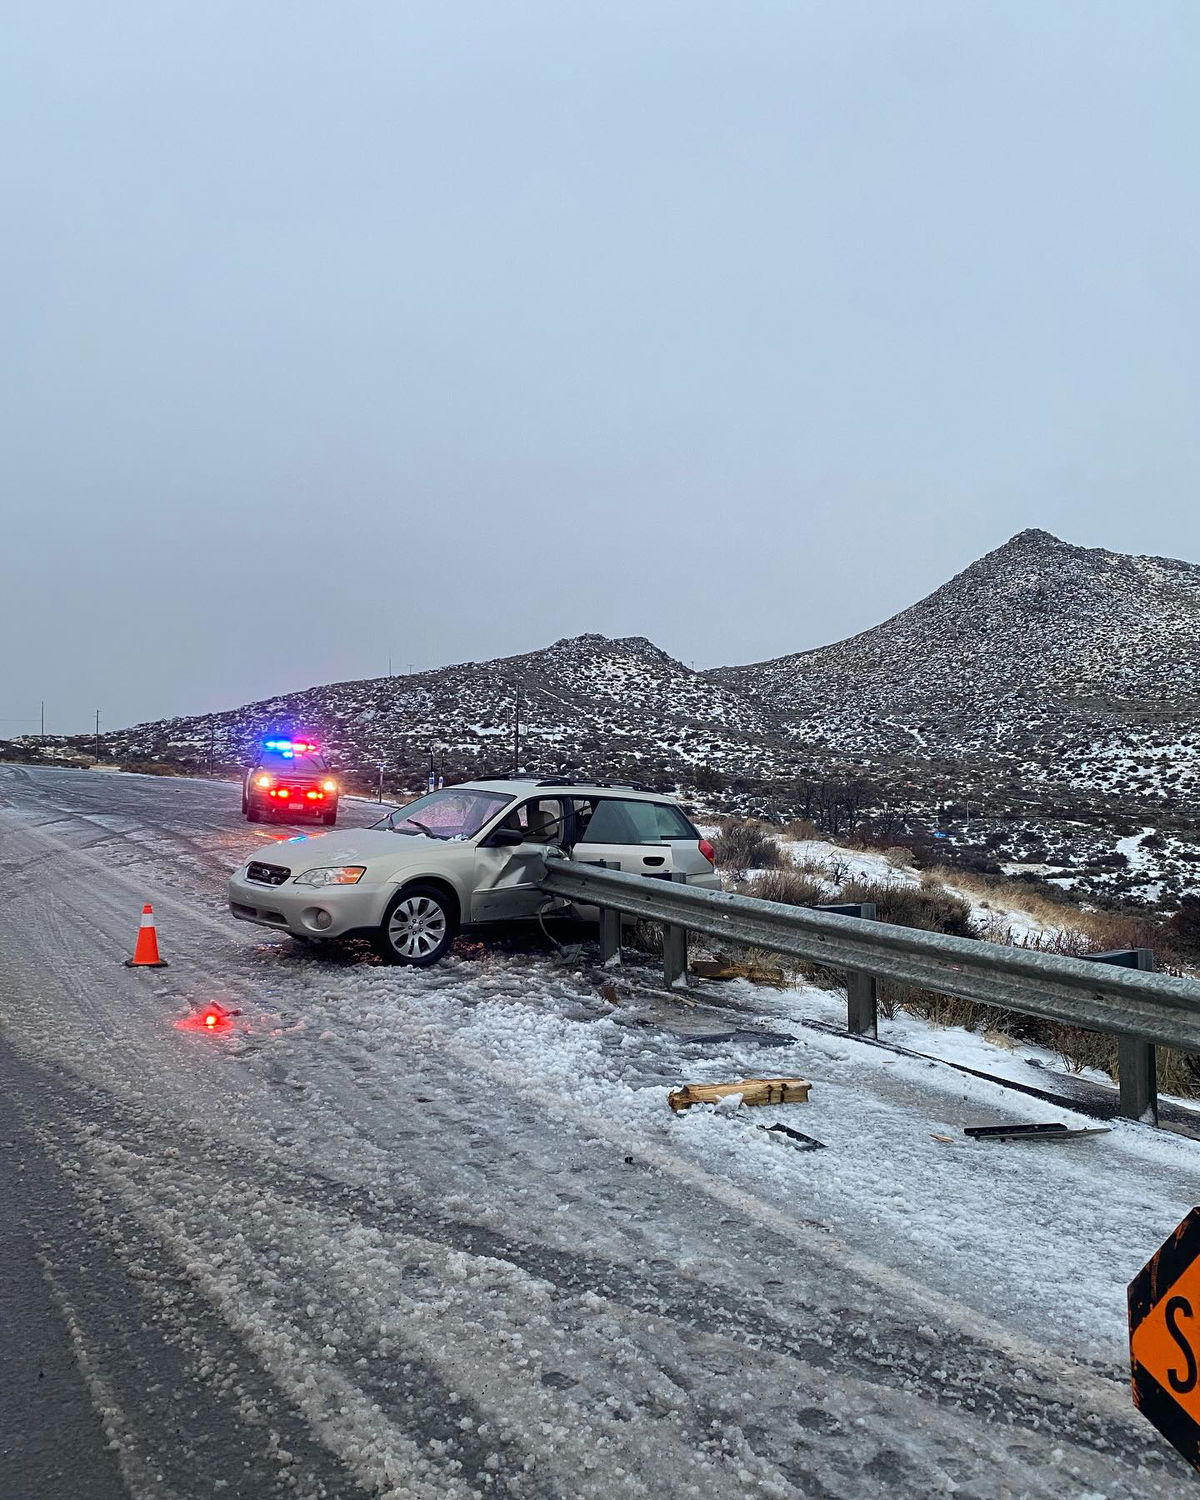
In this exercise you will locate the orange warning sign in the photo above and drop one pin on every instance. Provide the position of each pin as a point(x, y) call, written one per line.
point(1164, 1339)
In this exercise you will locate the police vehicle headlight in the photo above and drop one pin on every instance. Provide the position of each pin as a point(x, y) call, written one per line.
point(332, 875)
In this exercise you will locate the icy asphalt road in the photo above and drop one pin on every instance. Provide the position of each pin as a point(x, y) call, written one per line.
point(436, 1234)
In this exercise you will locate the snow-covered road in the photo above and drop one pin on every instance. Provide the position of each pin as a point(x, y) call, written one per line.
point(437, 1234)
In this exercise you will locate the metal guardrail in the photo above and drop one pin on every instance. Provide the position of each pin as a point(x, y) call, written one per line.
point(1139, 1008)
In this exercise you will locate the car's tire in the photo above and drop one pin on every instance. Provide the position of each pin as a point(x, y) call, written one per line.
point(252, 813)
point(329, 818)
point(418, 927)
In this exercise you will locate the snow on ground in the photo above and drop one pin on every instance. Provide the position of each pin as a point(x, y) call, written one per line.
point(999, 917)
point(1141, 861)
point(451, 1216)
point(848, 864)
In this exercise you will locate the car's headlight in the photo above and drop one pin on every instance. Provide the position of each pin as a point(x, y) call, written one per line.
point(332, 875)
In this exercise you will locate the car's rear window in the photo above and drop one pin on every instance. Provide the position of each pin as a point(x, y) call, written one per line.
point(609, 820)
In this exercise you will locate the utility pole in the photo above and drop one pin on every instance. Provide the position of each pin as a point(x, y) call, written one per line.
point(212, 745)
point(517, 730)
point(97, 734)
point(43, 735)
point(379, 797)
point(432, 777)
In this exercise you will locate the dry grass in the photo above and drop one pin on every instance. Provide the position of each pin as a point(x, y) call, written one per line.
point(802, 829)
point(934, 908)
point(743, 844)
point(924, 906)
point(789, 887)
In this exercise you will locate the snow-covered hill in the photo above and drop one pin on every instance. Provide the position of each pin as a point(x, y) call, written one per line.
point(590, 703)
point(1038, 617)
point(1041, 708)
point(1075, 661)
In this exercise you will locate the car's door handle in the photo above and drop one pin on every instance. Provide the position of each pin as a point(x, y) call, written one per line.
point(653, 859)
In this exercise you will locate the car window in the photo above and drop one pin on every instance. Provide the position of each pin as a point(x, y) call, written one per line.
point(455, 813)
point(609, 820)
point(540, 820)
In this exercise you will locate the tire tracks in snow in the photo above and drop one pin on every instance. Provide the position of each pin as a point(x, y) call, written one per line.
point(975, 1375)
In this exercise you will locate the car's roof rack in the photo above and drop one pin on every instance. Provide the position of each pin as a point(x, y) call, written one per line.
point(571, 780)
point(617, 786)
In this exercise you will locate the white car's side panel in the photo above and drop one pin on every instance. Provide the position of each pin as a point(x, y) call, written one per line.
point(504, 886)
point(633, 859)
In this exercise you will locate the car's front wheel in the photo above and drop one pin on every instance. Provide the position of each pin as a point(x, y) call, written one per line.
point(419, 926)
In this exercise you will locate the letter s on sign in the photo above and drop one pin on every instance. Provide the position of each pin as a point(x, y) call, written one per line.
point(1187, 1383)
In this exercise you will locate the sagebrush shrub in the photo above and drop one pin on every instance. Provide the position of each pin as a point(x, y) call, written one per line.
point(742, 845)
point(789, 887)
point(927, 907)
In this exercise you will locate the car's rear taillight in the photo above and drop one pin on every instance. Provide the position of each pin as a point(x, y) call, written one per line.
point(329, 786)
point(266, 780)
point(708, 851)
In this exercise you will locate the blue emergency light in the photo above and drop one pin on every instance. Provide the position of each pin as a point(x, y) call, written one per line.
point(289, 748)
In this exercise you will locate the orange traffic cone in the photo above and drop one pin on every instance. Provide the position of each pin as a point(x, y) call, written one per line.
point(145, 953)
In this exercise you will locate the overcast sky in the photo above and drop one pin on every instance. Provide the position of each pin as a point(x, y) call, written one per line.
point(334, 332)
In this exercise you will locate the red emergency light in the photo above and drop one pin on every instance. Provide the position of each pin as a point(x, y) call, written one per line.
point(213, 1018)
point(290, 748)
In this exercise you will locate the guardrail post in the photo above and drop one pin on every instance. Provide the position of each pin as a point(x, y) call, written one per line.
point(862, 990)
point(610, 918)
point(610, 925)
point(1137, 1062)
point(610, 936)
point(675, 958)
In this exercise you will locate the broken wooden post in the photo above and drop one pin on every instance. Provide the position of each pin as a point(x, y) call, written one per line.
point(754, 1091)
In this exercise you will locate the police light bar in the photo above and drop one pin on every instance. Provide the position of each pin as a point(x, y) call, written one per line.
point(291, 747)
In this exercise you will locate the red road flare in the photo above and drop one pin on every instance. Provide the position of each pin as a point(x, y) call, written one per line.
point(212, 1018)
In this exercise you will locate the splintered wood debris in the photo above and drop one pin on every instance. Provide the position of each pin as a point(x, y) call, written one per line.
point(754, 1091)
point(726, 968)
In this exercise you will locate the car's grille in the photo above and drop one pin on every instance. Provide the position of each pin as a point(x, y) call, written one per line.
point(266, 874)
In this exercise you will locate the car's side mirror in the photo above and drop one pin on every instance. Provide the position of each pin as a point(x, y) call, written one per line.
point(505, 836)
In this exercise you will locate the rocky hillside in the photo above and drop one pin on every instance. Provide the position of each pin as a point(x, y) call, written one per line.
point(1040, 710)
point(588, 703)
point(1037, 618)
point(1072, 665)
point(1041, 707)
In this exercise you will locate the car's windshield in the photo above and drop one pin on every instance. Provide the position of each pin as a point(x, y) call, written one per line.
point(455, 813)
point(296, 765)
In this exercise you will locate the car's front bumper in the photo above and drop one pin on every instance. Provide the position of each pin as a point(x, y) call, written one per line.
point(305, 910)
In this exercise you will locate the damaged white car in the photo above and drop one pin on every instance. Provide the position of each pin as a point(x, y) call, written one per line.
point(464, 856)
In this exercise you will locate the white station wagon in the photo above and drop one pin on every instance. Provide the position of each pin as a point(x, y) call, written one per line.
point(463, 856)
